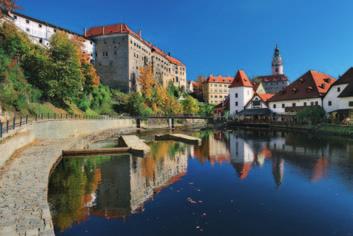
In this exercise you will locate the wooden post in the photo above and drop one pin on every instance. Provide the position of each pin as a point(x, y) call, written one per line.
point(7, 126)
point(1, 129)
point(173, 125)
point(14, 123)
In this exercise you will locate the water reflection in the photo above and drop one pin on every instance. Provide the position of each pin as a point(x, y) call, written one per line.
point(113, 187)
point(120, 186)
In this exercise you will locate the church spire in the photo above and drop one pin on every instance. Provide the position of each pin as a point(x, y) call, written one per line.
point(277, 63)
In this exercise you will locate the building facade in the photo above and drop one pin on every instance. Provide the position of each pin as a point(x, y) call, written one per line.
point(40, 32)
point(240, 92)
point(308, 90)
point(339, 98)
point(121, 53)
point(278, 80)
point(216, 89)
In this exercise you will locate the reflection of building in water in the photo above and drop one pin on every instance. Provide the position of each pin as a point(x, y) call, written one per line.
point(278, 170)
point(213, 149)
point(128, 182)
point(242, 155)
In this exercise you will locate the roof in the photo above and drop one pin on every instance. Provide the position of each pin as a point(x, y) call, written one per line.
point(125, 29)
point(219, 79)
point(265, 96)
point(312, 84)
point(346, 78)
point(271, 78)
point(241, 80)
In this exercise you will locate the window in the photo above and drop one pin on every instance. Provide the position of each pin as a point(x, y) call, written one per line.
point(15, 17)
point(351, 104)
point(40, 40)
point(236, 104)
point(274, 106)
point(329, 103)
point(316, 103)
point(236, 95)
point(305, 104)
point(312, 103)
point(283, 105)
point(27, 21)
point(338, 89)
point(294, 104)
point(40, 26)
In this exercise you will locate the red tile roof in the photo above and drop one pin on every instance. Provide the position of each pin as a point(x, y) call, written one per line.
point(124, 29)
point(219, 79)
point(241, 80)
point(312, 84)
point(265, 96)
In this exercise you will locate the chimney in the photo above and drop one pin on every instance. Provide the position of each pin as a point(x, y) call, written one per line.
point(85, 32)
point(140, 33)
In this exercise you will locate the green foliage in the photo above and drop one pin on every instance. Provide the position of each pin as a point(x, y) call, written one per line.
point(190, 105)
point(206, 109)
point(30, 74)
point(311, 115)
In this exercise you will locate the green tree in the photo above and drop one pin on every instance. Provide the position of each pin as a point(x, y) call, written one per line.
point(190, 105)
point(311, 115)
point(65, 79)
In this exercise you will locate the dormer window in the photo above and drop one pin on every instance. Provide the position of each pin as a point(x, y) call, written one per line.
point(322, 86)
point(338, 89)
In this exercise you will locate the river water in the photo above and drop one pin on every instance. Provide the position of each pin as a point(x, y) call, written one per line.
point(235, 183)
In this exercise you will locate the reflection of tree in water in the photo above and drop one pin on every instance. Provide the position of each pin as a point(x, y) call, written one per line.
point(70, 189)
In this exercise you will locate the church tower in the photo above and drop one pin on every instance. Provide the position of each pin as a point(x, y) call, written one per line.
point(277, 63)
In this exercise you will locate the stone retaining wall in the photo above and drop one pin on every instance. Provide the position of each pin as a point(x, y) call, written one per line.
point(54, 130)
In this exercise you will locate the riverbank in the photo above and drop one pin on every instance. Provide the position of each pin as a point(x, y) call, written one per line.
point(320, 129)
point(31, 154)
point(24, 208)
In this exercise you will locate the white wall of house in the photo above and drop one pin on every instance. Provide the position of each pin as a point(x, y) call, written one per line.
point(279, 107)
point(332, 102)
point(255, 103)
point(239, 97)
point(41, 33)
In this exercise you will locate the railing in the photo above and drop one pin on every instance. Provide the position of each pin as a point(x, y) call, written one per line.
point(19, 121)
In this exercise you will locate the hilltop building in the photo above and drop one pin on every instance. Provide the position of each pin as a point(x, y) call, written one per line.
point(216, 89)
point(308, 90)
point(339, 98)
point(40, 32)
point(278, 80)
point(121, 53)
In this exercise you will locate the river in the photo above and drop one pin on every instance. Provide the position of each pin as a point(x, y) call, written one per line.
point(235, 183)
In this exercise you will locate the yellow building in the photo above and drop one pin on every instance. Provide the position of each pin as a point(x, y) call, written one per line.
point(216, 88)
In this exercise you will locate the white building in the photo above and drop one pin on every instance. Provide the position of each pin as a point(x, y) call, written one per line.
point(240, 93)
point(308, 90)
point(339, 98)
point(40, 32)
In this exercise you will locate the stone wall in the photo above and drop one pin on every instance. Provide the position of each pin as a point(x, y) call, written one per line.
point(55, 130)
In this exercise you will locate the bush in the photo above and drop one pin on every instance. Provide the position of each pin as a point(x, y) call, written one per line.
point(311, 115)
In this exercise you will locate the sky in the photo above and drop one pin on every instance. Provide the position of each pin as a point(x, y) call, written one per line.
point(222, 36)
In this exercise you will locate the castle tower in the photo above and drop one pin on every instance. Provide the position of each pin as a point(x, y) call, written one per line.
point(277, 63)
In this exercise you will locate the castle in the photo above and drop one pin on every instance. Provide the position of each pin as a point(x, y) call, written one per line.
point(117, 52)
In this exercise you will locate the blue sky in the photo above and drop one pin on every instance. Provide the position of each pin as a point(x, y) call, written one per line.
point(220, 37)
